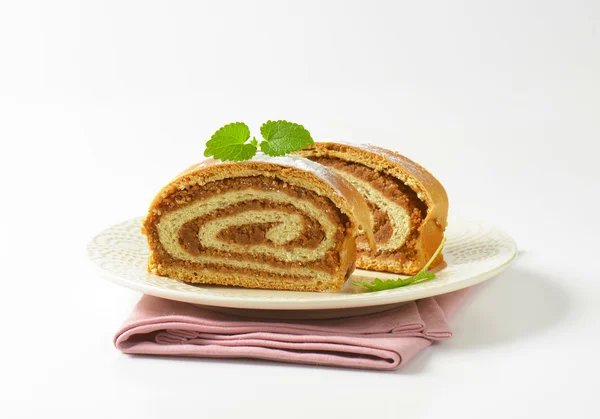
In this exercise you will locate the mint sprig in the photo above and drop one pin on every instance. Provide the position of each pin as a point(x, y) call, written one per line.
point(230, 143)
point(282, 137)
point(422, 275)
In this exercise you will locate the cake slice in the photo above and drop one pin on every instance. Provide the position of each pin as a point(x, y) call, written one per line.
point(271, 222)
point(408, 206)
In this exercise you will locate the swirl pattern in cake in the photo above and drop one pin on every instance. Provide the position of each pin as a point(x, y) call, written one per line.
point(275, 223)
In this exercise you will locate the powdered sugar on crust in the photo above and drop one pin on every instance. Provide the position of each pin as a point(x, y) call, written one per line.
point(410, 166)
point(368, 147)
point(305, 164)
point(401, 161)
point(364, 146)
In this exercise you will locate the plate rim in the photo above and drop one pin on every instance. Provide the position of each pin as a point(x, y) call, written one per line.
point(361, 299)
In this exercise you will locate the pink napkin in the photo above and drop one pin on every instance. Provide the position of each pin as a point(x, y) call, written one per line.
point(381, 341)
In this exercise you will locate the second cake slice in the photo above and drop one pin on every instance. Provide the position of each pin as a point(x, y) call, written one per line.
point(408, 205)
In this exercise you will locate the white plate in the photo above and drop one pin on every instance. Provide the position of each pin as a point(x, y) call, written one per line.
point(473, 252)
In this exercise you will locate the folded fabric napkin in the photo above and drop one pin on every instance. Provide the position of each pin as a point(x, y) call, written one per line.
point(381, 341)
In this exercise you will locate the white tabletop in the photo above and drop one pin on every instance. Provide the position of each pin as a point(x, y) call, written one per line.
point(101, 103)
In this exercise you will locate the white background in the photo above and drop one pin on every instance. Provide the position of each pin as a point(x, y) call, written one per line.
point(102, 102)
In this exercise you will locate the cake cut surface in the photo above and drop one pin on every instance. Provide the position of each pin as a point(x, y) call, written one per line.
point(408, 206)
point(275, 223)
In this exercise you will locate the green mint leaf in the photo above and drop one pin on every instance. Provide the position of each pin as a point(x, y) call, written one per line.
point(229, 143)
point(422, 275)
point(282, 137)
point(379, 285)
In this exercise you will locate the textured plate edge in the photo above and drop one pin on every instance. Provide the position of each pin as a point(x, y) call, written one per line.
point(361, 300)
